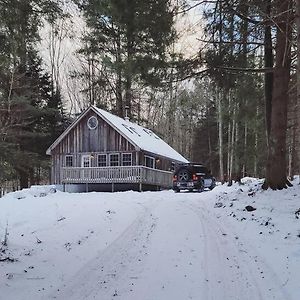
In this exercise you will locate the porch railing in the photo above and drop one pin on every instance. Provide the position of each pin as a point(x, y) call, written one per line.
point(122, 174)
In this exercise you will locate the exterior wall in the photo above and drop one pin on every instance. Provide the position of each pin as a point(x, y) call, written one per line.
point(102, 140)
point(161, 163)
point(84, 141)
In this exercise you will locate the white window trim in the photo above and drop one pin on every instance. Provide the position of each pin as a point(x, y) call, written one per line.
point(110, 154)
point(82, 160)
point(130, 158)
point(106, 163)
point(151, 158)
point(72, 161)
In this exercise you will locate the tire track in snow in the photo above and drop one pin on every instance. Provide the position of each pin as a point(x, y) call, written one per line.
point(170, 270)
point(173, 267)
point(98, 278)
point(271, 287)
point(224, 275)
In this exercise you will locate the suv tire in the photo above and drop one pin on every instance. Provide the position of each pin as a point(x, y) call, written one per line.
point(184, 174)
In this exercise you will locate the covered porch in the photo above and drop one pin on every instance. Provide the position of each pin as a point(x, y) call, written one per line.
point(139, 175)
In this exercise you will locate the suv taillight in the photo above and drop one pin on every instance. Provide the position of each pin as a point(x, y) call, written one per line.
point(195, 177)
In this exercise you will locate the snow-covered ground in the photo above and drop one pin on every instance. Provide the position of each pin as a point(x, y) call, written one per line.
point(151, 245)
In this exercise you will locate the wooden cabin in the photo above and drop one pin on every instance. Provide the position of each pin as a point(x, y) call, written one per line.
point(102, 152)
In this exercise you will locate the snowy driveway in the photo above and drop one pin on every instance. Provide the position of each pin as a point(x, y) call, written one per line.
point(161, 246)
point(175, 249)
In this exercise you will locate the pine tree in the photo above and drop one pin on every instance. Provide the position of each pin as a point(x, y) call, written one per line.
point(23, 89)
point(128, 39)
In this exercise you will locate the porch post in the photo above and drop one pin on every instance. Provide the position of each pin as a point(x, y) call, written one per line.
point(141, 179)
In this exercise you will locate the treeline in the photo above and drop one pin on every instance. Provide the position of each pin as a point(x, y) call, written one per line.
point(245, 106)
point(233, 105)
point(252, 56)
point(31, 111)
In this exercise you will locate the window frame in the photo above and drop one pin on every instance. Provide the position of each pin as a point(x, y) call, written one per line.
point(99, 155)
point(110, 155)
point(82, 161)
point(66, 161)
point(152, 159)
point(127, 165)
point(96, 122)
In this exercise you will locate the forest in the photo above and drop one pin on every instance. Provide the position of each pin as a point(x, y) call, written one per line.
point(219, 80)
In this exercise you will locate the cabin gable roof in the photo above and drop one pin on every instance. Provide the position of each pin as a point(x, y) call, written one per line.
point(141, 138)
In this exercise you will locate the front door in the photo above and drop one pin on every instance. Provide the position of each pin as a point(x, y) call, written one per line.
point(86, 163)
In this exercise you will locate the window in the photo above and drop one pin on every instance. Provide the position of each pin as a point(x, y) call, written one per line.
point(102, 160)
point(149, 162)
point(92, 123)
point(126, 159)
point(131, 129)
point(151, 133)
point(86, 161)
point(172, 167)
point(113, 159)
point(69, 161)
point(128, 128)
point(201, 170)
point(134, 130)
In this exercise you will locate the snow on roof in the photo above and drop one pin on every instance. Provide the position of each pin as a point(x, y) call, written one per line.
point(141, 137)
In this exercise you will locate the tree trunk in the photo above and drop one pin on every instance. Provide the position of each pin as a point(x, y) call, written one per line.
point(255, 173)
point(220, 132)
point(130, 52)
point(232, 145)
point(269, 61)
point(276, 177)
point(209, 150)
point(23, 179)
point(119, 98)
point(244, 167)
point(128, 94)
point(296, 131)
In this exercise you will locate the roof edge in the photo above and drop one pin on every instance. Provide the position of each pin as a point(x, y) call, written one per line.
point(66, 131)
point(137, 148)
point(164, 156)
point(71, 126)
point(98, 112)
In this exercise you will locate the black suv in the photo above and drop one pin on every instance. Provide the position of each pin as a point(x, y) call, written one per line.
point(192, 177)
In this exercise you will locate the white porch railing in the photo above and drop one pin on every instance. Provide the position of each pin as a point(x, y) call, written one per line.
point(128, 174)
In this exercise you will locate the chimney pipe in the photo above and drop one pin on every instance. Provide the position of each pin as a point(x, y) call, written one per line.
point(126, 113)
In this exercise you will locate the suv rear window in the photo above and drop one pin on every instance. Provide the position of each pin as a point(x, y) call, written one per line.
point(200, 169)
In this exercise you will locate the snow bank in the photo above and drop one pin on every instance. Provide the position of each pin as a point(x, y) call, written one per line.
point(35, 191)
point(267, 226)
point(51, 235)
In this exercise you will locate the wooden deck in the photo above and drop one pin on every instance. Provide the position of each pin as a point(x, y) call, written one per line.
point(128, 174)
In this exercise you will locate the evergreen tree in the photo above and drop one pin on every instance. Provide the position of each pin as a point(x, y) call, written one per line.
point(24, 88)
point(128, 39)
point(234, 48)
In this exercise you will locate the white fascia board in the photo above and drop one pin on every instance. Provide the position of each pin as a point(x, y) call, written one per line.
point(137, 148)
point(60, 138)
